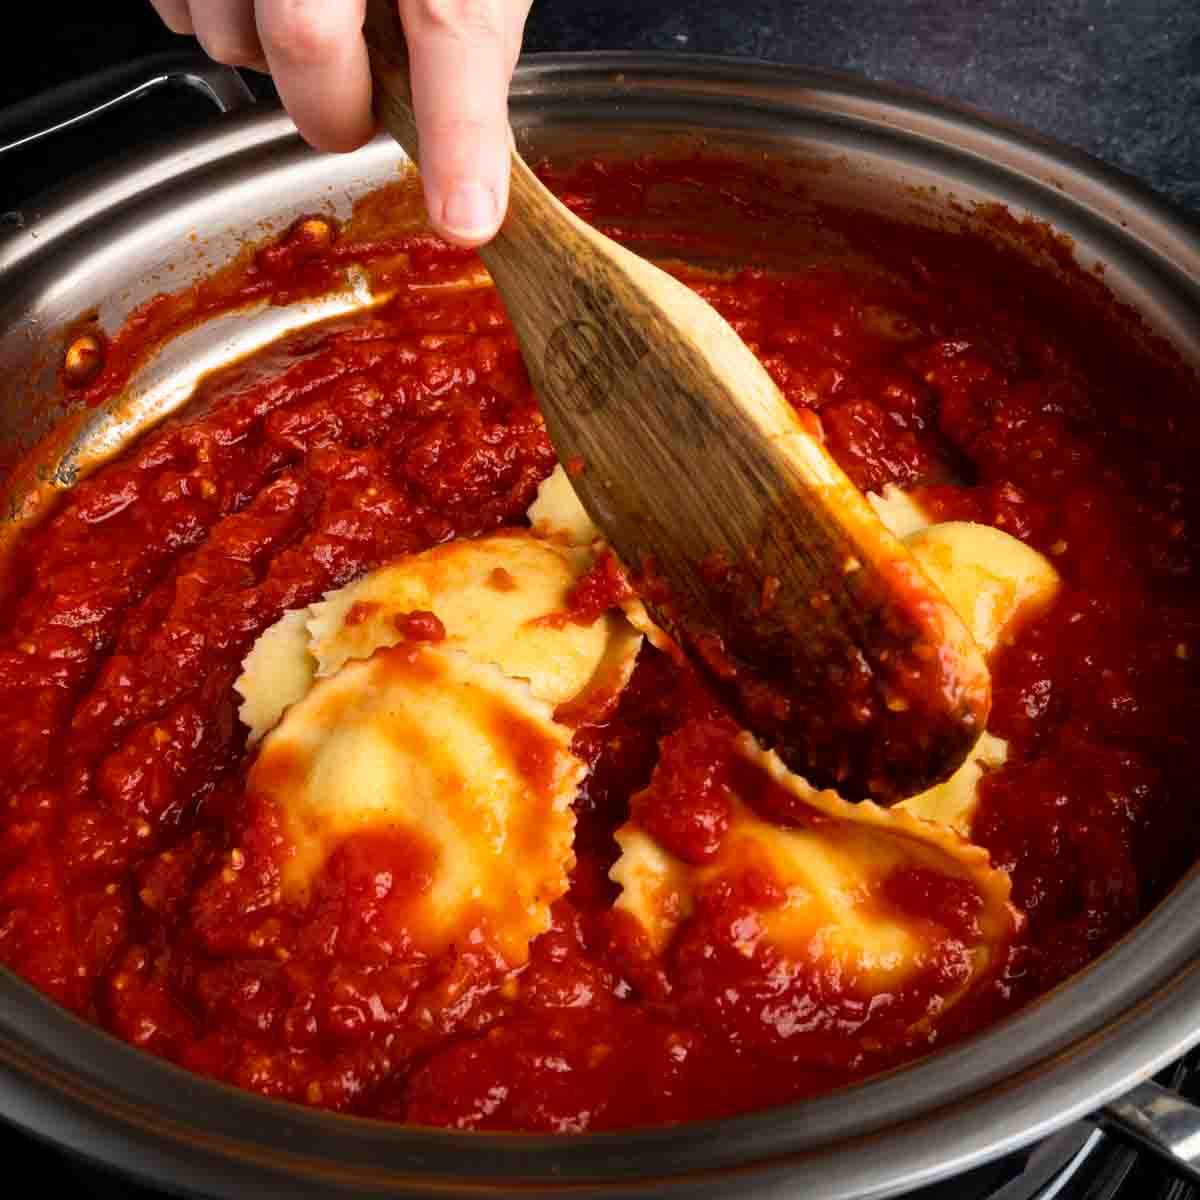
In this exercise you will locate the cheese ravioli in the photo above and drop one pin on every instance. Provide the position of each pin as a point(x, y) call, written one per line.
point(558, 515)
point(457, 748)
point(500, 599)
point(278, 671)
point(832, 870)
point(497, 598)
point(429, 746)
point(989, 577)
point(953, 802)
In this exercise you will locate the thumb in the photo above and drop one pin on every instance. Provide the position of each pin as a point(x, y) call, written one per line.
point(461, 62)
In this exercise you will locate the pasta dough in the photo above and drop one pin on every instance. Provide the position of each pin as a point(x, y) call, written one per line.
point(277, 672)
point(449, 754)
point(493, 595)
point(831, 870)
point(954, 801)
point(457, 748)
point(988, 575)
point(898, 511)
point(827, 870)
point(559, 515)
point(499, 599)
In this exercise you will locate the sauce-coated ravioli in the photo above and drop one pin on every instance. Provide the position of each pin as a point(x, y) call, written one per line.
point(826, 870)
point(278, 671)
point(994, 581)
point(989, 577)
point(954, 801)
point(430, 748)
point(825, 865)
point(501, 599)
point(450, 748)
point(496, 597)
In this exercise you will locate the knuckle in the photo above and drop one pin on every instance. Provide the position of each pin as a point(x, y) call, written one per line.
point(297, 31)
point(474, 20)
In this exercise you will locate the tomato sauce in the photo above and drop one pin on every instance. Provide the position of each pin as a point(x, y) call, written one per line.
point(140, 885)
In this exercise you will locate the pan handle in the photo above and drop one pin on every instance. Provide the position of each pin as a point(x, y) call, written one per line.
point(93, 96)
point(1160, 1121)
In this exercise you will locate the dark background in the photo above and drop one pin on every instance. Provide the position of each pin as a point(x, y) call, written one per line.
point(1118, 78)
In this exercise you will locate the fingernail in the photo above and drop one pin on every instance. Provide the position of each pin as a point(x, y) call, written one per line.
point(470, 210)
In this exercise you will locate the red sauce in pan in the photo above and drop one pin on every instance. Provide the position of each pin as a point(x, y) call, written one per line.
point(139, 885)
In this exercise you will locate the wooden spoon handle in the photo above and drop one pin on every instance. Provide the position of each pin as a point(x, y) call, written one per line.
point(389, 70)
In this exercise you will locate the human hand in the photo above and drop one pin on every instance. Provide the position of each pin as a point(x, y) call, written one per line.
point(462, 54)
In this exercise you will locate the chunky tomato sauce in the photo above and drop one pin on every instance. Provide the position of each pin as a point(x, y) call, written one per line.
point(139, 884)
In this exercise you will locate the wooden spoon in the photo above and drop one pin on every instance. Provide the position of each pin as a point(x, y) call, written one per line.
point(749, 544)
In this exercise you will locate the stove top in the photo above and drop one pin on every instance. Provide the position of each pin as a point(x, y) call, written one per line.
point(1109, 90)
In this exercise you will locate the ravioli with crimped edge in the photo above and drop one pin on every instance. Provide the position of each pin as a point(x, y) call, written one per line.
point(830, 862)
point(825, 877)
point(456, 747)
point(558, 515)
point(990, 577)
point(498, 598)
point(992, 580)
point(451, 756)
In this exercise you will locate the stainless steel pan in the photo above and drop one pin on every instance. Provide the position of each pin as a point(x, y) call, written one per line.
point(110, 241)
